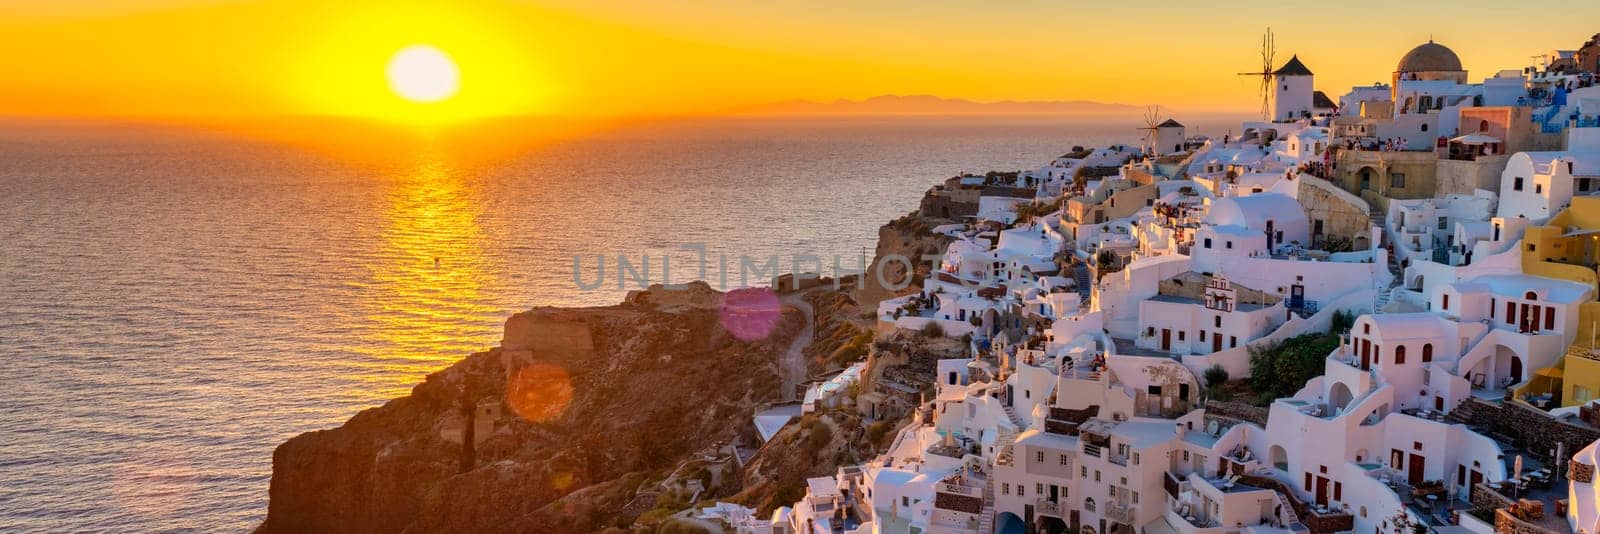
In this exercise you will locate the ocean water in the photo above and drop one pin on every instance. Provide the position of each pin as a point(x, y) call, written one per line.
point(174, 304)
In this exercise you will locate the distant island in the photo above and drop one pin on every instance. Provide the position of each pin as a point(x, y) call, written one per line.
point(930, 104)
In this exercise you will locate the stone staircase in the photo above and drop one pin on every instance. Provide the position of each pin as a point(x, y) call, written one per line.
point(1002, 443)
point(1291, 519)
point(1011, 412)
point(1384, 288)
point(1080, 275)
point(986, 517)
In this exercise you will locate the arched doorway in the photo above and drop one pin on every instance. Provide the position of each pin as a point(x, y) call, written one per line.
point(1009, 523)
point(1279, 457)
point(1339, 397)
point(1052, 525)
point(1367, 176)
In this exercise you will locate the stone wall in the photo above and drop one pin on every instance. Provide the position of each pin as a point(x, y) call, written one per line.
point(1537, 430)
point(1238, 411)
point(1464, 177)
point(1343, 214)
point(949, 204)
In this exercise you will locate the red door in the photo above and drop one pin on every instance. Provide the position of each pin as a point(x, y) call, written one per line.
point(1216, 342)
point(1414, 471)
point(1322, 491)
point(1166, 339)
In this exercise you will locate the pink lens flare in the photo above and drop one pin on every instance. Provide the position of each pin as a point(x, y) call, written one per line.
point(750, 314)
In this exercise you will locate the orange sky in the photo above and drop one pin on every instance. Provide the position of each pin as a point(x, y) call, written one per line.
point(177, 58)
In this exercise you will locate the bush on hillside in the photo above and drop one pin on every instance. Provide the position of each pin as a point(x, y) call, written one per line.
point(1283, 368)
point(1215, 376)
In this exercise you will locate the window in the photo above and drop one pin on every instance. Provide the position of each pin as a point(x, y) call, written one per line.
point(1397, 179)
point(1065, 461)
point(1097, 475)
point(1424, 125)
point(1149, 331)
point(1208, 242)
point(1366, 328)
point(1233, 341)
point(1202, 336)
point(1549, 317)
point(1444, 223)
point(1022, 490)
point(1427, 352)
point(1180, 335)
point(1038, 456)
point(1185, 456)
point(1153, 390)
point(1400, 355)
point(1516, 183)
point(1083, 472)
point(1230, 244)
point(1538, 189)
point(1511, 310)
point(1135, 497)
point(1038, 488)
point(1446, 303)
point(1581, 394)
point(1217, 321)
point(905, 501)
point(1005, 488)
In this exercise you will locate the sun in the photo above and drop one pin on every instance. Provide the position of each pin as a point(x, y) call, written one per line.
point(424, 74)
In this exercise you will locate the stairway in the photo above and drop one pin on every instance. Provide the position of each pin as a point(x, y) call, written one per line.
point(986, 517)
point(1384, 287)
point(1002, 443)
point(1080, 275)
point(1016, 420)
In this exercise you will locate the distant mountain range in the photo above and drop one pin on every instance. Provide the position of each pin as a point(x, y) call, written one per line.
point(929, 104)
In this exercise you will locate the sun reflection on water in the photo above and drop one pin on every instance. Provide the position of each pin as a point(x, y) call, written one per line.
point(432, 279)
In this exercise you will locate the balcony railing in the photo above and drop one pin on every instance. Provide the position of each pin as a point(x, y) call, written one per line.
point(1047, 507)
point(1119, 513)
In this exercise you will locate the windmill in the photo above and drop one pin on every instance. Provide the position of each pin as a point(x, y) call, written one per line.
point(1268, 50)
point(1152, 122)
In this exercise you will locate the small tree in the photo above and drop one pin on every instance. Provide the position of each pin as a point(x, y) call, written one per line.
point(1215, 376)
point(1342, 321)
point(932, 330)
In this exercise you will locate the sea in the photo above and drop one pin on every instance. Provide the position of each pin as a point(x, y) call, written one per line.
point(175, 302)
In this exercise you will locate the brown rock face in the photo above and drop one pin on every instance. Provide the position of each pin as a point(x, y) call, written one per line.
point(909, 237)
point(601, 402)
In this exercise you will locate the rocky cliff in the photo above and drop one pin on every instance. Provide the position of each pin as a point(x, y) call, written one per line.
point(567, 427)
point(599, 418)
point(909, 237)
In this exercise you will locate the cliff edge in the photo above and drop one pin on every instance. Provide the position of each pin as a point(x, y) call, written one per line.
point(566, 427)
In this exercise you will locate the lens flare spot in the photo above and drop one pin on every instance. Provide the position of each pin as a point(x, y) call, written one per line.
point(539, 392)
point(750, 314)
point(561, 481)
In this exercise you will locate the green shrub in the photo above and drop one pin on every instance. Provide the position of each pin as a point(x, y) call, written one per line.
point(1283, 368)
point(933, 330)
point(1215, 376)
point(1342, 321)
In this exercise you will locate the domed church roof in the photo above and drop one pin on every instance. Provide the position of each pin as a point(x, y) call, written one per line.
point(1430, 57)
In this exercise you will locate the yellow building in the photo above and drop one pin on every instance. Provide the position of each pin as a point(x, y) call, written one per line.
point(1568, 247)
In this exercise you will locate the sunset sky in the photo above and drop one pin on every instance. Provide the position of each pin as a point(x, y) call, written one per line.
point(177, 58)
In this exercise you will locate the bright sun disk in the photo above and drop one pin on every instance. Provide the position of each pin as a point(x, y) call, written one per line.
point(423, 73)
